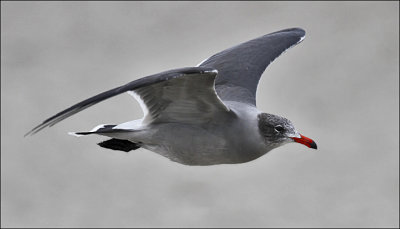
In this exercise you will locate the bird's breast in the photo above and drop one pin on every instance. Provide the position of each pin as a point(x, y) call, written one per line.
point(228, 142)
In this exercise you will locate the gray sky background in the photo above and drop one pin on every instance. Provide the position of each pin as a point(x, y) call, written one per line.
point(340, 86)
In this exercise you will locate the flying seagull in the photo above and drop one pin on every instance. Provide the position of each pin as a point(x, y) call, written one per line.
point(203, 115)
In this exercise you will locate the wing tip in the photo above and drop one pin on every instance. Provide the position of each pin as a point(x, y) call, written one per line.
point(299, 31)
point(295, 31)
point(28, 134)
point(35, 130)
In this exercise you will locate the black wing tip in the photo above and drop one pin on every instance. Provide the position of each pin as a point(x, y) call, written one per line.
point(28, 134)
point(295, 30)
point(34, 130)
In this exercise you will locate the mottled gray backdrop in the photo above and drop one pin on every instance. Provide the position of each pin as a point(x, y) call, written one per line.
point(339, 87)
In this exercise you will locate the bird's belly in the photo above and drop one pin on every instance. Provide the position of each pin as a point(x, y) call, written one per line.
point(193, 145)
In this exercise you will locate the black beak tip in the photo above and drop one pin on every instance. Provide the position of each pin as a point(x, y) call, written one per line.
point(313, 145)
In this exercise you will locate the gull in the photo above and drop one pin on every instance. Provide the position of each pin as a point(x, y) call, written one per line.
point(203, 115)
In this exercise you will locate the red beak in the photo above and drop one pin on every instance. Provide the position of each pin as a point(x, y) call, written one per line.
point(306, 141)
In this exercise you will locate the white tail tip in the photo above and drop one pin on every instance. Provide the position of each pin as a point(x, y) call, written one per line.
point(74, 134)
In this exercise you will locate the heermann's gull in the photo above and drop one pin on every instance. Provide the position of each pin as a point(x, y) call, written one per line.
point(202, 115)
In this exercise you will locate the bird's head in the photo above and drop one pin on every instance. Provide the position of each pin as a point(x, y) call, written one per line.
point(277, 131)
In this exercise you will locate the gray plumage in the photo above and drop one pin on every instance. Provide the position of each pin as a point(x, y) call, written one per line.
point(202, 115)
point(240, 67)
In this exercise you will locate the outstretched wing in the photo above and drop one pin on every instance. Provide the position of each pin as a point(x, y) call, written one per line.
point(180, 94)
point(240, 67)
point(190, 99)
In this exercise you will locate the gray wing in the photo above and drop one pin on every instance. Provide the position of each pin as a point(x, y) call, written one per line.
point(240, 67)
point(190, 99)
point(175, 91)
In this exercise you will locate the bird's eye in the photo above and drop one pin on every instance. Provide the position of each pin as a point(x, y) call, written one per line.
point(279, 128)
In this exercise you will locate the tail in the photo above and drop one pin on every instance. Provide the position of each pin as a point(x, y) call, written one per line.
point(101, 129)
point(113, 143)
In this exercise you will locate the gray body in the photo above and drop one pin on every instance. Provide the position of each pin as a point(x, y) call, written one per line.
point(202, 115)
point(234, 138)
